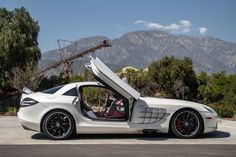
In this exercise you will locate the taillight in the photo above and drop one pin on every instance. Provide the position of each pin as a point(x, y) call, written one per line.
point(28, 102)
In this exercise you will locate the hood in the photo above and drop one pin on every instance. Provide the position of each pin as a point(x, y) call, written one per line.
point(107, 77)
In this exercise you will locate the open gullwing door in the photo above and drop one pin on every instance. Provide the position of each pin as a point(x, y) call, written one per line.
point(108, 77)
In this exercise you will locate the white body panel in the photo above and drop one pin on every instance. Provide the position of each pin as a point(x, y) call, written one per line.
point(112, 80)
point(145, 112)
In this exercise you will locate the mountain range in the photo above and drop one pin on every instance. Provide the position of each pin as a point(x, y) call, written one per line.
point(140, 48)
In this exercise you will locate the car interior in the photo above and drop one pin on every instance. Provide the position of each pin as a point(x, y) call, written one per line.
point(100, 103)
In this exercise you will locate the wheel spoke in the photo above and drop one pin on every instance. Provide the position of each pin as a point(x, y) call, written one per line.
point(54, 131)
point(188, 116)
point(182, 117)
point(52, 127)
point(51, 123)
point(54, 118)
point(63, 119)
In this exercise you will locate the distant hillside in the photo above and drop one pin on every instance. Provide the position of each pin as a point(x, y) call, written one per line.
point(140, 48)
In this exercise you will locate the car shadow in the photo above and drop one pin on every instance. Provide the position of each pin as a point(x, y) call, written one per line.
point(39, 136)
point(215, 134)
point(212, 135)
point(159, 136)
point(147, 137)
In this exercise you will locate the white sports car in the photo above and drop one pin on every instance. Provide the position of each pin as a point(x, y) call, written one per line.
point(110, 106)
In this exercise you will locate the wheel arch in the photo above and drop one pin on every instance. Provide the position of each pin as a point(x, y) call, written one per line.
point(57, 109)
point(187, 108)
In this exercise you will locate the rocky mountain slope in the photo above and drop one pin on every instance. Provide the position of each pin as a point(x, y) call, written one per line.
point(140, 48)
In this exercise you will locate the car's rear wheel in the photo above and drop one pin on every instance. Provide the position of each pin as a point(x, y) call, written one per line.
point(186, 123)
point(58, 125)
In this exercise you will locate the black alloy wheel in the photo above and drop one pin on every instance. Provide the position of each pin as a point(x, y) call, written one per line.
point(58, 125)
point(186, 124)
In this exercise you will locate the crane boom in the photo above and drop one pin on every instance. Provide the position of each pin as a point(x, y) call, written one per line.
point(105, 43)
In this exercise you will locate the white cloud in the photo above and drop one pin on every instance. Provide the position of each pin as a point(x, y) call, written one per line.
point(183, 26)
point(154, 25)
point(139, 21)
point(202, 30)
point(186, 23)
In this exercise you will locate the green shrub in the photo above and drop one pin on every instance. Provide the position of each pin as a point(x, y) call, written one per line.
point(75, 78)
point(224, 110)
point(7, 110)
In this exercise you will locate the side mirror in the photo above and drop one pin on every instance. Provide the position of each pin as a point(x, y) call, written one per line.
point(75, 101)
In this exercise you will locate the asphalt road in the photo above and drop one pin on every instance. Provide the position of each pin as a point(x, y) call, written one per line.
point(15, 141)
point(117, 150)
point(11, 133)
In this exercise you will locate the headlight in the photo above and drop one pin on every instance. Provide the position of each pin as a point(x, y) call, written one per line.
point(28, 102)
point(209, 109)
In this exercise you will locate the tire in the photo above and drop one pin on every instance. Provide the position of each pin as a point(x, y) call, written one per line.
point(58, 125)
point(186, 123)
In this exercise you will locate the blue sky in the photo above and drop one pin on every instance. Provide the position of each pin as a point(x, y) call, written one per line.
point(74, 19)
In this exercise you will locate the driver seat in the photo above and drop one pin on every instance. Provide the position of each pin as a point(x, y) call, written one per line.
point(86, 110)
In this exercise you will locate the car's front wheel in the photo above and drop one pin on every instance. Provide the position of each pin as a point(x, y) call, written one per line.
point(186, 123)
point(58, 125)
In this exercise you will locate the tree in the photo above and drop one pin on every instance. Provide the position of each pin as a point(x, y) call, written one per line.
point(180, 89)
point(28, 77)
point(218, 91)
point(174, 75)
point(230, 90)
point(18, 41)
point(212, 88)
point(139, 80)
